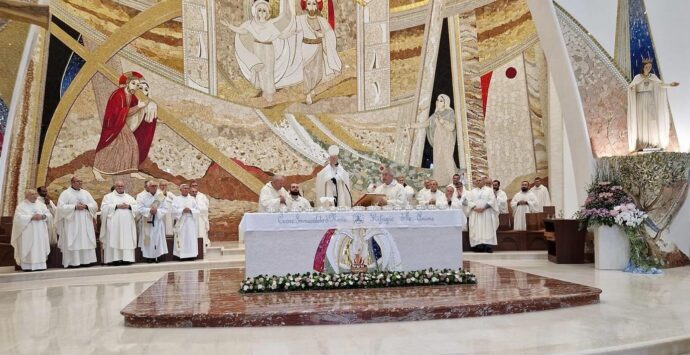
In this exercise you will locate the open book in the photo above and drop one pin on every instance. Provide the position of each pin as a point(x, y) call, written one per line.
point(371, 200)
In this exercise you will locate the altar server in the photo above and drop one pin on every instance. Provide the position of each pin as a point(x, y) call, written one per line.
point(152, 209)
point(185, 213)
point(409, 191)
point(542, 194)
point(118, 226)
point(202, 204)
point(31, 233)
point(333, 183)
point(75, 220)
point(395, 193)
point(273, 195)
point(501, 197)
point(434, 196)
point(169, 196)
point(483, 217)
point(296, 202)
point(523, 202)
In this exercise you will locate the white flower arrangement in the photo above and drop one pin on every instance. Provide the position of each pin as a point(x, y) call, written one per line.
point(628, 215)
point(374, 279)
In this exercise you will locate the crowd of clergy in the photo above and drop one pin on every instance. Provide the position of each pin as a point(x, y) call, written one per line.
point(482, 204)
point(126, 223)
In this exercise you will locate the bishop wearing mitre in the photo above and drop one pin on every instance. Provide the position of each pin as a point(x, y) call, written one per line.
point(74, 221)
point(118, 226)
point(523, 202)
point(483, 209)
point(185, 213)
point(31, 233)
point(152, 209)
point(333, 183)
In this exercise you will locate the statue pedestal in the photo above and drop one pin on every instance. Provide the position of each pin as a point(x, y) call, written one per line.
point(611, 248)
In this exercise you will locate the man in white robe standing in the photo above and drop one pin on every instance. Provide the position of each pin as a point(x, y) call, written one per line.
point(435, 196)
point(152, 209)
point(75, 220)
point(523, 202)
point(45, 199)
point(169, 196)
point(501, 197)
point(185, 212)
point(333, 183)
point(31, 233)
point(483, 218)
point(296, 202)
point(409, 191)
point(273, 195)
point(542, 194)
point(118, 226)
point(202, 204)
point(395, 193)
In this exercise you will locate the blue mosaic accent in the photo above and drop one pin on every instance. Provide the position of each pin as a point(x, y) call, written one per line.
point(641, 45)
point(73, 66)
point(4, 112)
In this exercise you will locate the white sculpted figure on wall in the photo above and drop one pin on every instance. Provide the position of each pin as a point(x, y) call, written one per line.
point(440, 132)
point(266, 49)
point(649, 121)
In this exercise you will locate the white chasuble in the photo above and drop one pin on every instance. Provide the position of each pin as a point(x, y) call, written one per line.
point(483, 224)
point(326, 188)
point(269, 198)
point(31, 238)
point(395, 194)
point(542, 195)
point(519, 211)
point(151, 227)
point(118, 227)
point(186, 230)
point(75, 228)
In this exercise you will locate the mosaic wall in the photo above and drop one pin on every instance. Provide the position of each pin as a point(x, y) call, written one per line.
point(234, 135)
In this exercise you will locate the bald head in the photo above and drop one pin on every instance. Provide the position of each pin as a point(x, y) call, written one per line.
point(75, 182)
point(30, 195)
point(277, 181)
point(119, 186)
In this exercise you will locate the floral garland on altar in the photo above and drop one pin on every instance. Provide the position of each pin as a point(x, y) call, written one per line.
point(375, 279)
point(608, 205)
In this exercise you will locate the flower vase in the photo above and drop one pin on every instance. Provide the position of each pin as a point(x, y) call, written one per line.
point(611, 248)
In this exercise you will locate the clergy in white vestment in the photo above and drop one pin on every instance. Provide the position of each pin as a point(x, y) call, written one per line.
point(74, 221)
point(542, 194)
point(45, 199)
point(296, 202)
point(152, 209)
point(452, 201)
point(501, 197)
point(434, 196)
point(483, 217)
point(185, 213)
point(202, 204)
point(395, 193)
point(169, 196)
point(409, 191)
point(118, 226)
point(423, 194)
point(273, 196)
point(31, 233)
point(333, 183)
point(457, 183)
point(523, 202)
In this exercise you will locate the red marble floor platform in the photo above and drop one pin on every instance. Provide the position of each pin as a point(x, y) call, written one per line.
point(210, 298)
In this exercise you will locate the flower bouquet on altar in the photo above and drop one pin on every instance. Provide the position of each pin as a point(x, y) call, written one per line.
point(609, 208)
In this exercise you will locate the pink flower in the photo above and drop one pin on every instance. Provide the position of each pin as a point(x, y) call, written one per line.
point(631, 206)
point(623, 208)
point(614, 213)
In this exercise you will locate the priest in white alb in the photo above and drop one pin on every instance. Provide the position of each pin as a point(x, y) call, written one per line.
point(152, 209)
point(483, 217)
point(501, 197)
point(333, 183)
point(185, 213)
point(118, 226)
point(523, 202)
point(74, 221)
point(273, 196)
point(423, 193)
point(395, 193)
point(296, 202)
point(542, 194)
point(31, 233)
point(434, 197)
point(409, 191)
point(202, 204)
point(169, 196)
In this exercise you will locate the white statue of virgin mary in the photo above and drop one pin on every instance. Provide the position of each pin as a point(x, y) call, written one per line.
point(649, 121)
point(440, 132)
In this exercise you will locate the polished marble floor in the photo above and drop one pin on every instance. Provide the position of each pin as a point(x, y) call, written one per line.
point(82, 316)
